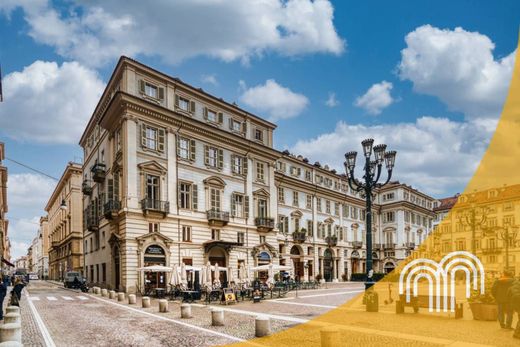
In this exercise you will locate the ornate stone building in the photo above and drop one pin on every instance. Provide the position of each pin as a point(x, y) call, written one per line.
point(64, 222)
point(172, 174)
point(4, 240)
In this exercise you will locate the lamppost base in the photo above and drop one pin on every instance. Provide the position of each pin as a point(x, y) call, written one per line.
point(371, 297)
point(369, 284)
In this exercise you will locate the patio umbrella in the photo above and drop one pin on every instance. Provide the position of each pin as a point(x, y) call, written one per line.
point(270, 275)
point(247, 275)
point(216, 282)
point(241, 275)
point(202, 275)
point(174, 280)
point(184, 281)
point(230, 275)
point(208, 283)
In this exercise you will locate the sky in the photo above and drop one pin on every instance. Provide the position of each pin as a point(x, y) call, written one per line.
point(428, 78)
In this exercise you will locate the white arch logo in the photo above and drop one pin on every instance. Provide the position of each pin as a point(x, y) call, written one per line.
point(442, 274)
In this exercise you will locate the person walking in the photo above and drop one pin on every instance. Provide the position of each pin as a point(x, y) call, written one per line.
point(3, 292)
point(500, 291)
point(513, 296)
point(17, 291)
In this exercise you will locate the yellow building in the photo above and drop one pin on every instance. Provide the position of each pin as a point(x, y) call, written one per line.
point(65, 215)
point(4, 241)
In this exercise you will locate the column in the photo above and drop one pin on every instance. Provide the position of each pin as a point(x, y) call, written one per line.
point(132, 195)
point(172, 172)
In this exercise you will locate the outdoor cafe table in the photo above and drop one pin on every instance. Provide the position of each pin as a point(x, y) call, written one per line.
point(188, 295)
point(159, 292)
point(214, 294)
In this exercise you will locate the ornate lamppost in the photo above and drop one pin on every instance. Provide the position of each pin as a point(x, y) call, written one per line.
point(507, 234)
point(372, 173)
point(475, 217)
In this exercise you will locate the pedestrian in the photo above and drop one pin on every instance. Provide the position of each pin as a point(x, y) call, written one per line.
point(500, 293)
point(16, 293)
point(3, 292)
point(513, 295)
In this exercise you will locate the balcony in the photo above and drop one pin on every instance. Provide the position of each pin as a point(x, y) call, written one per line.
point(357, 244)
point(98, 172)
point(155, 206)
point(264, 224)
point(92, 223)
point(377, 246)
point(86, 188)
point(389, 246)
point(217, 218)
point(491, 250)
point(409, 245)
point(111, 209)
point(299, 237)
point(331, 241)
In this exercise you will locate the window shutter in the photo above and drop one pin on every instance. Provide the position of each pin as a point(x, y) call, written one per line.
point(116, 186)
point(244, 166)
point(143, 136)
point(233, 206)
point(230, 121)
point(205, 115)
point(299, 171)
point(220, 117)
point(176, 100)
point(246, 206)
point(233, 167)
point(206, 154)
point(179, 195)
point(192, 150)
point(192, 106)
point(220, 159)
point(286, 224)
point(244, 127)
point(161, 137)
point(195, 198)
point(161, 93)
point(110, 189)
point(178, 146)
point(141, 86)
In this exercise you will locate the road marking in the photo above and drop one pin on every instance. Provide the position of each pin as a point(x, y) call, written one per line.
point(230, 337)
point(253, 313)
point(82, 297)
point(303, 304)
point(68, 298)
point(319, 295)
point(47, 338)
point(34, 298)
point(51, 298)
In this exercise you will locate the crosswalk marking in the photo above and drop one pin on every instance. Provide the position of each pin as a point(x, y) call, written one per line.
point(51, 298)
point(68, 298)
point(82, 297)
point(34, 298)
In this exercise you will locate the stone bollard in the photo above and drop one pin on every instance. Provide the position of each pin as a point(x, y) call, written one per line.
point(11, 344)
point(217, 317)
point(97, 290)
point(120, 296)
point(329, 337)
point(131, 299)
point(12, 309)
point(12, 317)
point(112, 294)
point(185, 311)
point(104, 292)
point(11, 332)
point(163, 305)
point(262, 326)
point(146, 301)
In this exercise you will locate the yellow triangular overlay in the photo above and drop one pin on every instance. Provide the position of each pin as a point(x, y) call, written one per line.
point(473, 239)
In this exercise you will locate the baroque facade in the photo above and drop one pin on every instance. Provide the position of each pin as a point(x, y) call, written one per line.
point(172, 174)
point(64, 223)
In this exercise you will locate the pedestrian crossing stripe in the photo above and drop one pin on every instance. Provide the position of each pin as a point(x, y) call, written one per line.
point(34, 298)
point(51, 298)
point(82, 297)
point(68, 298)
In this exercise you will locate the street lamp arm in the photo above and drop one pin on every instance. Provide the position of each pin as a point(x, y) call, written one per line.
point(379, 185)
point(378, 174)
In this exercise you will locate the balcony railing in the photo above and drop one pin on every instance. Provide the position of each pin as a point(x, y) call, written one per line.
point(409, 245)
point(217, 217)
point(98, 172)
point(264, 223)
point(357, 244)
point(491, 250)
point(86, 188)
point(387, 246)
point(152, 205)
point(111, 209)
point(331, 241)
point(377, 246)
point(92, 222)
point(299, 237)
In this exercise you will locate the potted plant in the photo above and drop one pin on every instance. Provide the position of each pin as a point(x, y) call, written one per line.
point(344, 277)
point(483, 306)
point(318, 278)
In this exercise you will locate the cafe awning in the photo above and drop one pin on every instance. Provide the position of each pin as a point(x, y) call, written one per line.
point(226, 245)
point(155, 268)
point(7, 262)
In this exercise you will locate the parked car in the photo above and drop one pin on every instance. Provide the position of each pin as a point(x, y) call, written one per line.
point(33, 277)
point(69, 278)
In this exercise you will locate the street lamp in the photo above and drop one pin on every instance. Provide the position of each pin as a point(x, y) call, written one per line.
point(475, 217)
point(372, 173)
point(507, 234)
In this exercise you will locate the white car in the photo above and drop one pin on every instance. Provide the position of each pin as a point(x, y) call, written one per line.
point(33, 277)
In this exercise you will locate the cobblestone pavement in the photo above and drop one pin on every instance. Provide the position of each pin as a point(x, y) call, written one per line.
point(99, 321)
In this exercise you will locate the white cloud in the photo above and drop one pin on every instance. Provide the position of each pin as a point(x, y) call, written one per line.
point(436, 155)
point(458, 67)
point(97, 31)
point(277, 101)
point(48, 103)
point(28, 195)
point(210, 79)
point(332, 101)
point(376, 98)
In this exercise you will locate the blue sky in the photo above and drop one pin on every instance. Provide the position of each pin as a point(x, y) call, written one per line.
point(398, 71)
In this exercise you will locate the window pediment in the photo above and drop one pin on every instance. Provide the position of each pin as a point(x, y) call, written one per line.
point(296, 213)
point(152, 166)
point(261, 193)
point(329, 220)
point(215, 181)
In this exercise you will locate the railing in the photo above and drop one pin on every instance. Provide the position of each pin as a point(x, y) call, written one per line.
point(389, 246)
point(332, 241)
point(264, 223)
point(111, 208)
point(491, 250)
point(92, 222)
point(409, 245)
point(299, 237)
point(155, 205)
point(86, 188)
point(217, 217)
point(98, 172)
point(377, 246)
point(357, 244)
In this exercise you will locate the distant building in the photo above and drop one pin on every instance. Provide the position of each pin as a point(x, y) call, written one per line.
point(5, 245)
point(43, 249)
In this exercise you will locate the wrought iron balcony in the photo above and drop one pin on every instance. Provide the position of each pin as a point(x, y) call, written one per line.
point(152, 205)
point(357, 244)
point(264, 224)
point(92, 222)
point(299, 237)
point(377, 246)
point(217, 217)
point(99, 171)
point(86, 188)
point(409, 245)
point(111, 209)
point(331, 241)
point(389, 246)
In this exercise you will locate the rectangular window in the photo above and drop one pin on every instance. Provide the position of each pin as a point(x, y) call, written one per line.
point(184, 104)
point(104, 270)
point(186, 233)
point(212, 116)
point(345, 211)
point(308, 203)
point(281, 195)
point(215, 234)
point(336, 208)
point(327, 206)
point(188, 196)
point(389, 217)
point(262, 239)
point(150, 90)
point(184, 148)
point(262, 208)
point(213, 157)
point(260, 174)
point(235, 125)
point(309, 228)
point(318, 200)
point(259, 135)
point(308, 176)
point(296, 222)
point(97, 273)
point(237, 205)
point(215, 201)
point(151, 138)
point(239, 165)
point(241, 238)
point(153, 227)
point(295, 199)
